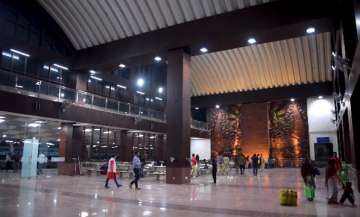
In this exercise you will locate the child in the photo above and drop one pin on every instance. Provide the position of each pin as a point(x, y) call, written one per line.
point(348, 193)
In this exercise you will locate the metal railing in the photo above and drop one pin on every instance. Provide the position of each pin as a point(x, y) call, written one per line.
point(47, 90)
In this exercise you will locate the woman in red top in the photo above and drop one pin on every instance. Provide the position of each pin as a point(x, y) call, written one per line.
point(111, 173)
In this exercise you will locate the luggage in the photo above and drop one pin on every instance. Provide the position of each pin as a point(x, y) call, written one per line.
point(288, 197)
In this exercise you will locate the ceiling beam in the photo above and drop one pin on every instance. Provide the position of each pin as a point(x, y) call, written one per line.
point(273, 21)
point(279, 93)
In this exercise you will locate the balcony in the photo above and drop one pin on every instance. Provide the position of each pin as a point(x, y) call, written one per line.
point(24, 85)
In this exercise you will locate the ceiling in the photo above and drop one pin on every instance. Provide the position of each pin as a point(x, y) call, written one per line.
point(90, 23)
point(295, 61)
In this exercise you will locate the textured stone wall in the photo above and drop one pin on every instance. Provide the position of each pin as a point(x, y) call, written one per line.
point(279, 129)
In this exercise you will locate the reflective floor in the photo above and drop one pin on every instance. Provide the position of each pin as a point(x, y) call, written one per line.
point(86, 196)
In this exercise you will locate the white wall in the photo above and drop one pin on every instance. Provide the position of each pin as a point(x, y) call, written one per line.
point(320, 124)
point(200, 146)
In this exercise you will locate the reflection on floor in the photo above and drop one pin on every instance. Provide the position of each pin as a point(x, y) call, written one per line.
point(86, 196)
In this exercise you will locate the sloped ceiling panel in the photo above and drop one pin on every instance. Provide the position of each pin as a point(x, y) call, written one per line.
point(89, 23)
point(289, 62)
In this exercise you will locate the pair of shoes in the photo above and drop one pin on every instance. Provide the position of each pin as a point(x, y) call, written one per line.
point(106, 186)
point(119, 186)
point(137, 188)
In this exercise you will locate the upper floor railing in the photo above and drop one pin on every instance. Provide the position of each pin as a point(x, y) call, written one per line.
point(42, 89)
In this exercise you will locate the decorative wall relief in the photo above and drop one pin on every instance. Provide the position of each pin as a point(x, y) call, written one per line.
point(278, 129)
point(288, 130)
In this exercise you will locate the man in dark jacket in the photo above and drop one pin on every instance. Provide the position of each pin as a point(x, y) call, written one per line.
point(255, 164)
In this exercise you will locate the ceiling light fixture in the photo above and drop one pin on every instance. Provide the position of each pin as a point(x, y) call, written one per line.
point(139, 92)
point(160, 90)
point(61, 67)
point(217, 106)
point(121, 86)
point(251, 40)
point(158, 98)
point(2, 120)
point(20, 52)
point(34, 125)
point(320, 97)
point(93, 72)
point(292, 100)
point(10, 55)
point(203, 50)
point(140, 82)
point(310, 30)
point(122, 66)
point(196, 108)
point(96, 78)
point(157, 59)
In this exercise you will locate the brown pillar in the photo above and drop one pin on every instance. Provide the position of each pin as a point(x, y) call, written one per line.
point(178, 117)
point(72, 148)
point(161, 149)
point(125, 151)
point(81, 80)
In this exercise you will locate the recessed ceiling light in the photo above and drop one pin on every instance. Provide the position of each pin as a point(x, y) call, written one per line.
point(2, 120)
point(160, 90)
point(217, 106)
point(310, 30)
point(203, 50)
point(140, 82)
point(292, 99)
point(122, 65)
point(93, 72)
point(251, 40)
point(320, 97)
point(121, 86)
point(157, 59)
point(196, 108)
point(2, 117)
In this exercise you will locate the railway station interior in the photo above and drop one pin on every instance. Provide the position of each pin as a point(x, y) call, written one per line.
point(211, 107)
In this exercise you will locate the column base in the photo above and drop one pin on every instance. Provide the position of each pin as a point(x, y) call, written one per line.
point(68, 169)
point(178, 175)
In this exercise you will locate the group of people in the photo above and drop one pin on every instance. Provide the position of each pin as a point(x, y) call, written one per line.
point(332, 181)
point(12, 162)
point(257, 162)
point(112, 172)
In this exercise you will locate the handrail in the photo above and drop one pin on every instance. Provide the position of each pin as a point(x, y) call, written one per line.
point(43, 89)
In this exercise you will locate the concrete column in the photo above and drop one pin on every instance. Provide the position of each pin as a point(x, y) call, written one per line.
point(178, 117)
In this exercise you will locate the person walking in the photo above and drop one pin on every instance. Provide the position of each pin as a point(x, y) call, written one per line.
point(242, 162)
point(42, 160)
point(111, 173)
point(8, 163)
point(332, 180)
point(255, 164)
point(197, 157)
point(214, 168)
point(136, 164)
point(262, 163)
point(308, 175)
point(193, 165)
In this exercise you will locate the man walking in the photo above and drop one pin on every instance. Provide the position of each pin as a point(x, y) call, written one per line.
point(136, 163)
point(255, 164)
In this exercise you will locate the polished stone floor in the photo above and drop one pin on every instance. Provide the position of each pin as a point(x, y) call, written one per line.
point(85, 196)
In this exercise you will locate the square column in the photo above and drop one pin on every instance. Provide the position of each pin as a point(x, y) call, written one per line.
point(72, 148)
point(178, 117)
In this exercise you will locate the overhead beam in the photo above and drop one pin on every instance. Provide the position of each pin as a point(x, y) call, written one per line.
point(268, 22)
point(298, 91)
